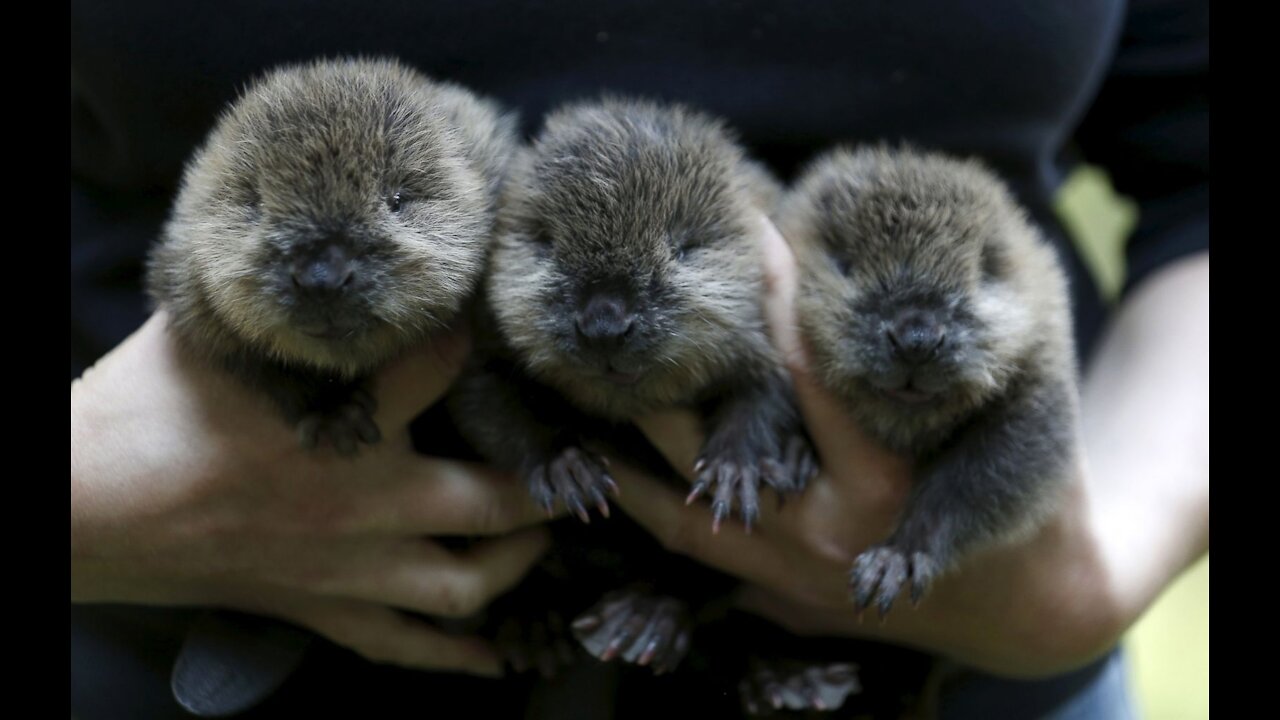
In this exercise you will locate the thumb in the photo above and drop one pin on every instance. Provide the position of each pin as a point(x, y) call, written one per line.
point(416, 380)
point(845, 450)
point(780, 278)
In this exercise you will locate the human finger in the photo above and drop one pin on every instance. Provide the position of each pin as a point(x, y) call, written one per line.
point(383, 635)
point(677, 435)
point(437, 496)
point(686, 530)
point(844, 449)
point(422, 576)
point(416, 380)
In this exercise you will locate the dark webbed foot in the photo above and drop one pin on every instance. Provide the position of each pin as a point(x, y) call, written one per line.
point(577, 478)
point(880, 572)
point(640, 628)
point(542, 644)
point(777, 685)
point(343, 425)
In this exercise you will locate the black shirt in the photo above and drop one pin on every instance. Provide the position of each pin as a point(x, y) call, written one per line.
point(1030, 86)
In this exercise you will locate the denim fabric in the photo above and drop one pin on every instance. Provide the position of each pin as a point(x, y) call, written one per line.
point(1099, 691)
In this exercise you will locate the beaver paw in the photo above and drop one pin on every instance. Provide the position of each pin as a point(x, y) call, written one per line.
point(576, 477)
point(639, 627)
point(788, 685)
point(880, 572)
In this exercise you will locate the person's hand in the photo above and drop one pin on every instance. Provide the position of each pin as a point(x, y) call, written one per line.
point(187, 489)
point(1040, 605)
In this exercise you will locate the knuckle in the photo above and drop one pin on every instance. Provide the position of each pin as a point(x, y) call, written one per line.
point(457, 597)
point(490, 518)
point(826, 548)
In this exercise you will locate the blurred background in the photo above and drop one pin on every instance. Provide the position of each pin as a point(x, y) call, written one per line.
point(1168, 650)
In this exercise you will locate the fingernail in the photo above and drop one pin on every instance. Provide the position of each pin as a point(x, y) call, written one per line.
point(586, 622)
point(650, 650)
point(611, 651)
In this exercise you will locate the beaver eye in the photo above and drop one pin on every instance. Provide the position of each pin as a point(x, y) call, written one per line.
point(993, 264)
point(683, 244)
point(842, 264)
point(395, 202)
point(253, 203)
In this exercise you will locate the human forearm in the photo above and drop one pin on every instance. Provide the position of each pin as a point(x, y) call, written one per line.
point(1146, 433)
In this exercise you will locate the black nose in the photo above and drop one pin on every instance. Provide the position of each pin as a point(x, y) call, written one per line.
point(326, 271)
point(916, 335)
point(604, 320)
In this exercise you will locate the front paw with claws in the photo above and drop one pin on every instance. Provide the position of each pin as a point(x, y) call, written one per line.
point(639, 627)
point(344, 426)
point(735, 478)
point(880, 572)
point(778, 686)
point(577, 478)
point(729, 480)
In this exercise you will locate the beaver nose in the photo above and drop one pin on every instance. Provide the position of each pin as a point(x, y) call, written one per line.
point(328, 271)
point(916, 336)
point(604, 320)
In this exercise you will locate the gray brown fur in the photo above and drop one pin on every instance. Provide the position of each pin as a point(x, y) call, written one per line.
point(651, 210)
point(937, 250)
point(609, 193)
point(307, 160)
